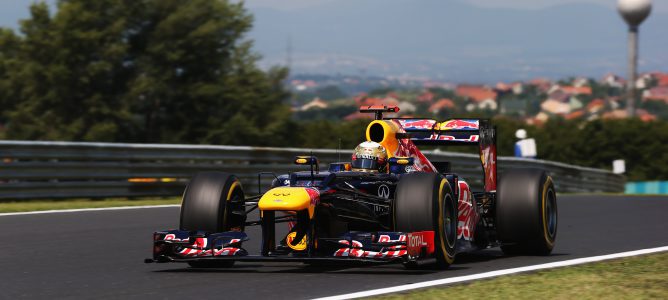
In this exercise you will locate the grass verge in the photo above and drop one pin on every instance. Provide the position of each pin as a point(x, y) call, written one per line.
point(39, 205)
point(642, 277)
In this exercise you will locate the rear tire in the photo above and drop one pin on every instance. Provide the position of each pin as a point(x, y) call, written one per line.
point(425, 202)
point(213, 202)
point(526, 212)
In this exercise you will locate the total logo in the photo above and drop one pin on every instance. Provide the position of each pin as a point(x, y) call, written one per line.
point(415, 240)
point(414, 243)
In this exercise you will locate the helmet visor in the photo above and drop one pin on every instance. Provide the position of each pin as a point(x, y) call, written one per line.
point(364, 163)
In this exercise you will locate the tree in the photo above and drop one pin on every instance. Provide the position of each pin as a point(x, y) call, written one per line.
point(144, 70)
point(327, 134)
point(66, 76)
point(9, 51)
point(194, 72)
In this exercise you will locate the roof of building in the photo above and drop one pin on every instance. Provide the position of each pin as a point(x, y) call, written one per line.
point(645, 116)
point(441, 104)
point(576, 90)
point(559, 95)
point(616, 114)
point(315, 103)
point(555, 107)
point(595, 105)
point(364, 101)
point(426, 97)
point(476, 93)
point(575, 115)
point(659, 93)
point(662, 79)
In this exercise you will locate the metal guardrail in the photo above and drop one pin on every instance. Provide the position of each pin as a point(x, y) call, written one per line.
point(34, 170)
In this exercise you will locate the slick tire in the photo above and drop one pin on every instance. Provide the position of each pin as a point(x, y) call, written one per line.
point(526, 212)
point(425, 202)
point(213, 202)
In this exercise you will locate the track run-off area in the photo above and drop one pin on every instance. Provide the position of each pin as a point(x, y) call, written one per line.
point(99, 254)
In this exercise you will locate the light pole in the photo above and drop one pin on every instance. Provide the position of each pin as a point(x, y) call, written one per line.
point(634, 12)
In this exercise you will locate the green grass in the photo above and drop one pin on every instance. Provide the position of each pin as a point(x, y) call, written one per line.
point(38, 205)
point(642, 277)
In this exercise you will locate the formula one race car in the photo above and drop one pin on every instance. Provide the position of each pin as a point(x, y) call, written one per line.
point(391, 204)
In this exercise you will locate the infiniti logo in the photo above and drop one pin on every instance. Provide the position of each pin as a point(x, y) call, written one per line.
point(384, 191)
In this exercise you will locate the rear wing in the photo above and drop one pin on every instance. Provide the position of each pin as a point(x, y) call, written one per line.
point(450, 132)
point(472, 132)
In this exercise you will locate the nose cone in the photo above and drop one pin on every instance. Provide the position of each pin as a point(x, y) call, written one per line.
point(634, 12)
point(289, 199)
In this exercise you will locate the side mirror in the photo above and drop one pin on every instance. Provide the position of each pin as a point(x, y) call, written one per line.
point(399, 165)
point(308, 161)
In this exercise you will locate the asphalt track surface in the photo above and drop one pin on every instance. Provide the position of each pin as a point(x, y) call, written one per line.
point(99, 254)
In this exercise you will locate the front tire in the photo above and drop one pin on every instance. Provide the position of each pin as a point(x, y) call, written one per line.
point(213, 202)
point(425, 202)
point(526, 212)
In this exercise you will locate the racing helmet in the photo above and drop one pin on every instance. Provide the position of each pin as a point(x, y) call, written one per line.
point(369, 157)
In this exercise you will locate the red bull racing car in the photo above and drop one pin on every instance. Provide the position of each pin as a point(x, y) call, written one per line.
point(390, 205)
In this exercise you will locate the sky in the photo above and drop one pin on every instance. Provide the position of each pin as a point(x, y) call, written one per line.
point(458, 40)
point(494, 44)
point(658, 5)
point(12, 10)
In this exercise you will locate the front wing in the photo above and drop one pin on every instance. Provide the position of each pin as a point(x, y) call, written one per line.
point(376, 247)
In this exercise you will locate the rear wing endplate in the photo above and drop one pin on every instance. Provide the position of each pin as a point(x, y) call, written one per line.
point(458, 132)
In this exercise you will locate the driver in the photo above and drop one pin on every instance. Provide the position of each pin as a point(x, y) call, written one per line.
point(369, 157)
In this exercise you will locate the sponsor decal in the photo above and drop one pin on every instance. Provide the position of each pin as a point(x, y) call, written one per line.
point(290, 240)
point(417, 124)
point(460, 124)
point(226, 251)
point(172, 237)
point(417, 241)
point(420, 162)
point(355, 250)
point(468, 217)
point(314, 195)
point(441, 137)
point(384, 191)
point(198, 247)
point(383, 238)
point(489, 166)
point(414, 243)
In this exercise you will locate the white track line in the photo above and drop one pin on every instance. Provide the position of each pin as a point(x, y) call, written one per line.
point(419, 285)
point(40, 212)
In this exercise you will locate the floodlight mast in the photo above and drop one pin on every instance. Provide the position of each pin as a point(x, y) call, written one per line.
point(634, 12)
